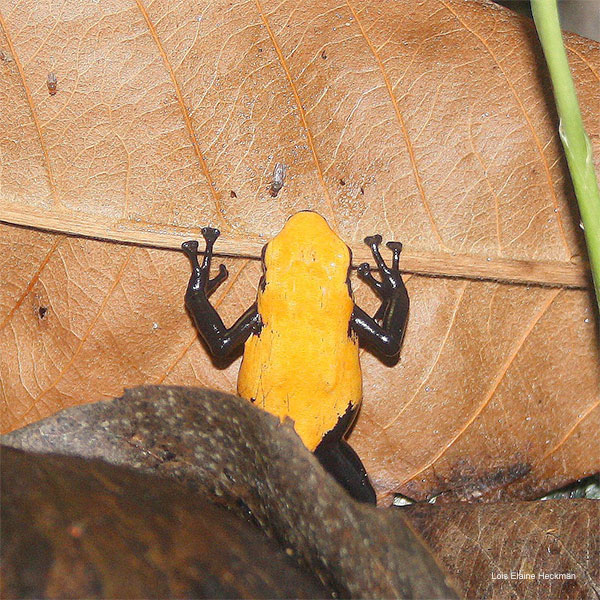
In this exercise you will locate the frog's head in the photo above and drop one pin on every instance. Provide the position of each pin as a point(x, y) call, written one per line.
point(307, 244)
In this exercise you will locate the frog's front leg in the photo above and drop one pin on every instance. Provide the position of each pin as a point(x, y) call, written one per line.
point(220, 340)
point(393, 312)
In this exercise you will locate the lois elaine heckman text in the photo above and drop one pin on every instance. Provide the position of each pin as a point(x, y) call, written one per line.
point(521, 575)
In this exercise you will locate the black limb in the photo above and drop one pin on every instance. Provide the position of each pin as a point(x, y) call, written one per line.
point(344, 465)
point(383, 331)
point(221, 341)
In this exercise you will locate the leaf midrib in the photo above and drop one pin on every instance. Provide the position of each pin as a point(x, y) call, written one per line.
point(468, 266)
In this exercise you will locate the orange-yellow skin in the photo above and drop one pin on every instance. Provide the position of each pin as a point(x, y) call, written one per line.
point(304, 364)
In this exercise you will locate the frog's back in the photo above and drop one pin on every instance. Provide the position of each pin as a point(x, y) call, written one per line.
point(304, 363)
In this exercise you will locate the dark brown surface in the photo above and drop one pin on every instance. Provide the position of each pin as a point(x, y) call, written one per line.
point(223, 446)
point(481, 543)
point(74, 528)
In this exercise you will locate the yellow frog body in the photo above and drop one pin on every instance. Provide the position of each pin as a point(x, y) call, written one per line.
point(304, 362)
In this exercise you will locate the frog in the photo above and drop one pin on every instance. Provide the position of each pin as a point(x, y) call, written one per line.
point(301, 336)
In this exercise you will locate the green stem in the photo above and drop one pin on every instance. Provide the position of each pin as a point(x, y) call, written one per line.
point(576, 143)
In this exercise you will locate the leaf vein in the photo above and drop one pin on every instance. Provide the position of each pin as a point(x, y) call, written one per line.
point(301, 110)
point(570, 431)
point(494, 386)
point(527, 119)
point(36, 121)
point(89, 329)
point(32, 281)
point(437, 357)
point(584, 61)
point(185, 113)
point(582, 569)
point(399, 116)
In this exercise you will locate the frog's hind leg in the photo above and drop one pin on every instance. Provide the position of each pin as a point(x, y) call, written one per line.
point(344, 465)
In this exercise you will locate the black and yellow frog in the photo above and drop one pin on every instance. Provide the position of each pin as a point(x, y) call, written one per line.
point(302, 334)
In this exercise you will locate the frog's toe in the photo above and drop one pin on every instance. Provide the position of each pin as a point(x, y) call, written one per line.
point(396, 248)
point(373, 240)
point(190, 247)
point(363, 270)
point(210, 234)
point(219, 278)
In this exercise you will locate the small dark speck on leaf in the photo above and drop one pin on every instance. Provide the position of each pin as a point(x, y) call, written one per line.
point(233, 194)
point(42, 311)
point(362, 190)
point(51, 82)
point(342, 182)
point(324, 55)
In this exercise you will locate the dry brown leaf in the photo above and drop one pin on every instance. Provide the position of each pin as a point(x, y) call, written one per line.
point(544, 549)
point(425, 122)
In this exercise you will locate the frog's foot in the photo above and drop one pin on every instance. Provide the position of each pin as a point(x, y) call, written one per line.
point(391, 278)
point(200, 282)
point(344, 465)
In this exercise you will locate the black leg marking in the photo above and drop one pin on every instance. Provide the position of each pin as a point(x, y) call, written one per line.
point(200, 282)
point(373, 241)
point(396, 248)
point(221, 341)
point(344, 465)
point(384, 331)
